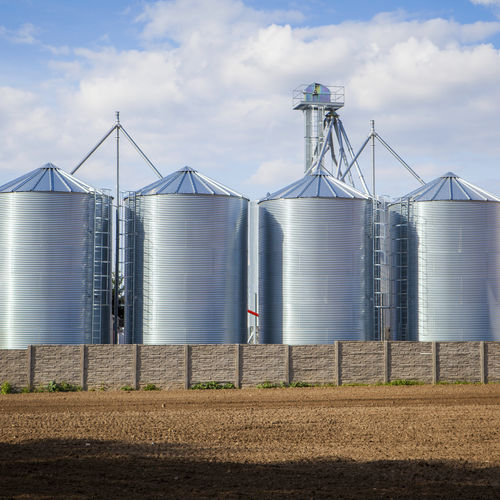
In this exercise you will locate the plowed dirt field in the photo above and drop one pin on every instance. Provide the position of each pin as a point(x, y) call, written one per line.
point(338, 442)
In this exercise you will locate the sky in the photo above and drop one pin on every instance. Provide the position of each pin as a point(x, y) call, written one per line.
point(208, 83)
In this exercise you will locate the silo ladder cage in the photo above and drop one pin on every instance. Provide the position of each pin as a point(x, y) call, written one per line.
point(101, 283)
point(380, 278)
point(128, 234)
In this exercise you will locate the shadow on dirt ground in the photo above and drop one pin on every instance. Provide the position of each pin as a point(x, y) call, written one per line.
point(73, 469)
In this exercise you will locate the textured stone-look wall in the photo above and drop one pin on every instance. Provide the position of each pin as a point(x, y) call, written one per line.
point(312, 364)
point(459, 361)
point(161, 365)
point(361, 362)
point(261, 363)
point(56, 363)
point(212, 362)
point(411, 361)
point(181, 366)
point(493, 361)
point(14, 367)
point(109, 366)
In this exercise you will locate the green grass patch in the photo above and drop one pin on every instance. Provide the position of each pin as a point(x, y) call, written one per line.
point(6, 388)
point(150, 387)
point(55, 387)
point(405, 382)
point(300, 384)
point(457, 382)
point(201, 386)
point(271, 385)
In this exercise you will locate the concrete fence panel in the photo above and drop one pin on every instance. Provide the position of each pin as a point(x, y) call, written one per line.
point(492, 362)
point(410, 361)
point(261, 363)
point(312, 363)
point(459, 361)
point(182, 366)
point(56, 362)
point(161, 365)
point(110, 366)
point(14, 367)
point(213, 363)
point(361, 362)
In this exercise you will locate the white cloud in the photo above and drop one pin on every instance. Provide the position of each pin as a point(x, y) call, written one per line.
point(25, 34)
point(194, 20)
point(276, 172)
point(494, 5)
point(212, 88)
point(486, 2)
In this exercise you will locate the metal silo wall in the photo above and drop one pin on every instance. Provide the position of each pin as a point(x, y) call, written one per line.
point(315, 271)
point(454, 270)
point(402, 260)
point(189, 265)
point(46, 250)
point(101, 321)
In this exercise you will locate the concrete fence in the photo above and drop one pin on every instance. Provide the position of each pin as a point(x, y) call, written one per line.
point(181, 366)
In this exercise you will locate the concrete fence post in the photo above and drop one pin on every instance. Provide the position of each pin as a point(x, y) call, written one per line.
point(338, 366)
point(83, 366)
point(387, 362)
point(135, 366)
point(483, 361)
point(187, 362)
point(29, 366)
point(287, 363)
point(435, 363)
point(237, 357)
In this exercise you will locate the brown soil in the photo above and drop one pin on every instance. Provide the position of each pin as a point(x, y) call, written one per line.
point(345, 442)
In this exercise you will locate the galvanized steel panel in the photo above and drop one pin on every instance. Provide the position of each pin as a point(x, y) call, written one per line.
point(317, 184)
point(315, 270)
point(47, 256)
point(187, 180)
point(450, 187)
point(188, 264)
point(453, 270)
point(47, 178)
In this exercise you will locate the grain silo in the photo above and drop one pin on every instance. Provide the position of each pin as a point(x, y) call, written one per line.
point(446, 262)
point(186, 262)
point(55, 254)
point(315, 278)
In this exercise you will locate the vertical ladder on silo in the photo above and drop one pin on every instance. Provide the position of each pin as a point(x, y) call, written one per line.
point(101, 292)
point(379, 256)
point(401, 268)
point(129, 261)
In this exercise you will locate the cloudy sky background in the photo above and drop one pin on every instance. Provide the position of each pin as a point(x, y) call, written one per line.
point(208, 83)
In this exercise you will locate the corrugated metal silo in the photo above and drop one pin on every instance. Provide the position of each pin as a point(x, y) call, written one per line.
point(186, 262)
point(55, 254)
point(315, 263)
point(446, 262)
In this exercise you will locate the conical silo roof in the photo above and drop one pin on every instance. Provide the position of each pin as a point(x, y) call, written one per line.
point(449, 187)
point(187, 180)
point(47, 178)
point(316, 184)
